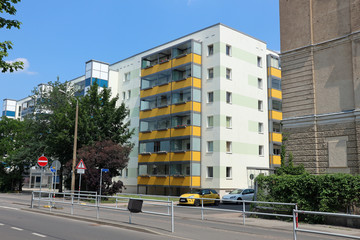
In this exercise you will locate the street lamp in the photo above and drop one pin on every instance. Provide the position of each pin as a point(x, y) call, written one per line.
point(75, 144)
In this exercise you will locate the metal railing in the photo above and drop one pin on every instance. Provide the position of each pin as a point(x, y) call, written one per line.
point(68, 198)
point(297, 229)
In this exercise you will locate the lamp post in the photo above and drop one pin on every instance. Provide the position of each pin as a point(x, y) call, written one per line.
point(75, 144)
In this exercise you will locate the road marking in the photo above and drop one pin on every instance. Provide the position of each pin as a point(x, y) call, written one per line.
point(1, 224)
point(9, 208)
point(39, 235)
point(15, 228)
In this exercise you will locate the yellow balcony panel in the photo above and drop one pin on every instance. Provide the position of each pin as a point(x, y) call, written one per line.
point(196, 58)
point(185, 131)
point(188, 106)
point(155, 68)
point(154, 157)
point(197, 82)
point(182, 60)
point(155, 112)
point(275, 115)
point(274, 72)
point(275, 93)
point(153, 180)
point(155, 90)
point(275, 159)
point(182, 84)
point(185, 181)
point(184, 156)
point(275, 137)
point(154, 135)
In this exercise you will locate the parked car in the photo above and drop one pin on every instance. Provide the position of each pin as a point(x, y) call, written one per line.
point(239, 194)
point(191, 197)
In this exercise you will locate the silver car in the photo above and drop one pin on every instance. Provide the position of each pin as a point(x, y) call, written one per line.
point(239, 194)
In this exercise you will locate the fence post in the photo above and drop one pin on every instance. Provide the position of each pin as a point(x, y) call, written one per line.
point(97, 208)
point(294, 224)
point(72, 203)
point(243, 210)
point(32, 200)
point(169, 205)
point(202, 209)
point(50, 202)
point(172, 217)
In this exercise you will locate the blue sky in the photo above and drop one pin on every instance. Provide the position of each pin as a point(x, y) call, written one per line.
point(57, 37)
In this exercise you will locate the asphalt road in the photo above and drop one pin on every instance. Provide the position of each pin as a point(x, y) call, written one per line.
point(17, 223)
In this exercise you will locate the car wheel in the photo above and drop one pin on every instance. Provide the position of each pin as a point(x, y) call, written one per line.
point(239, 199)
point(197, 202)
point(217, 202)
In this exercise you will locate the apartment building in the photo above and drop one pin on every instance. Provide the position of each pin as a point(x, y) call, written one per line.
point(205, 107)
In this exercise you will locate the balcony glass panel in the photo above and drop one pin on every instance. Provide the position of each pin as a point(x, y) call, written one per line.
point(181, 50)
point(148, 103)
point(181, 120)
point(163, 123)
point(181, 73)
point(195, 169)
point(164, 77)
point(147, 125)
point(180, 145)
point(196, 95)
point(163, 100)
point(149, 81)
point(181, 96)
point(195, 144)
point(196, 71)
point(197, 48)
point(143, 170)
point(197, 119)
point(146, 147)
point(180, 169)
point(158, 169)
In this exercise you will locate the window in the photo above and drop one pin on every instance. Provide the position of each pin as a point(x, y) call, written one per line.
point(126, 172)
point(210, 50)
point(228, 97)
point(276, 83)
point(123, 95)
point(276, 127)
point(276, 105)
point(228, 122)
point(260, 105)
point(261, 127)
point(228, 73)
point(260, 83)
point(275, 62)
point(228, 50)
point(120, 172)
point(210, 97)
point(261, 150)
point(210, 73)
point(228, 172)
point(210, 146)
point(210, 173)
point(129, 94)
point(210, 121)
point(259, 62)
point(276, 149)
point(228, 147)
point(127, 76)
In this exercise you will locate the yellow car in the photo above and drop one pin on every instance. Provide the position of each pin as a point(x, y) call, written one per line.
point(191, 198)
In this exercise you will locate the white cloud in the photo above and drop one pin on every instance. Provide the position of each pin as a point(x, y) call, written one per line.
point(26, 66)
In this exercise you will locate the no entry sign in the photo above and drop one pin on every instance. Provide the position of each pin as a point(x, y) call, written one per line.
point(42, 161)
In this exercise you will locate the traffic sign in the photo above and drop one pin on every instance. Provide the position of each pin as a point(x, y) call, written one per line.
point(104, 169)
point(56, 165)
point(52, 169)
point(42, 161)
point(80, 171)
point(81, 165)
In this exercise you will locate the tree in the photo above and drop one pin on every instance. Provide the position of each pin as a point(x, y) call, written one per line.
point(104, 154)
point(100, 119)
point(7, 7)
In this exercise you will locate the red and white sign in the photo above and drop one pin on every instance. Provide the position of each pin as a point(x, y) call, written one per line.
point(42, 161)
point(81, 165)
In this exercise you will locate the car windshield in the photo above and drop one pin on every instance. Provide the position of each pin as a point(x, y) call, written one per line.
point(237, 191)
point(197, 191)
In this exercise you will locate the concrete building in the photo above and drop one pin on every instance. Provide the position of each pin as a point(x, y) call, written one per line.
point(201, 106)
point(320, 53)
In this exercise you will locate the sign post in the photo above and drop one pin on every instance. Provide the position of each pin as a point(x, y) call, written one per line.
point(42, 162)
point(80, 170)
point(102, 170)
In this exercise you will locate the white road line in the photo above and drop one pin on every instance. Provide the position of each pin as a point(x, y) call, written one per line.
point(9, 208)
point(15, 228)
point(39, 235)
point(1, 224)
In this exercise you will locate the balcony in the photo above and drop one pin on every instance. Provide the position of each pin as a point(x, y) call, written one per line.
point(186, 181)
point(276, 115)
point(275, 137)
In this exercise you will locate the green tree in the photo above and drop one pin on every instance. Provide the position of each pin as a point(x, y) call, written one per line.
point(8, 7)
